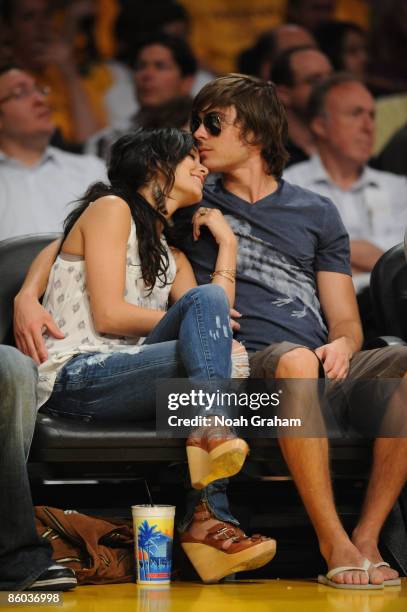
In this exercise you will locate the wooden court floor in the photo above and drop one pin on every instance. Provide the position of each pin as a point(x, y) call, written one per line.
point(236, 596)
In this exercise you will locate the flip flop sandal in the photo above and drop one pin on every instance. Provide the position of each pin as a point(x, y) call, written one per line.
point(391, 581)
point(326, 580)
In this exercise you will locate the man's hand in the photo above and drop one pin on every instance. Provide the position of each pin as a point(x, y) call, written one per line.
point(30, 321)
point(336, 357)
point(233, 313)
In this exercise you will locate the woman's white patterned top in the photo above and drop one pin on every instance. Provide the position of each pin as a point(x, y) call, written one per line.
point(67, 300)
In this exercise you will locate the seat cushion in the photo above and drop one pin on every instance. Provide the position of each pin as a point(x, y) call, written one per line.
point(60, 439)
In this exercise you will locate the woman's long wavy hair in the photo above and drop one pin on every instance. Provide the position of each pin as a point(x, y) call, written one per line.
point(136, 159)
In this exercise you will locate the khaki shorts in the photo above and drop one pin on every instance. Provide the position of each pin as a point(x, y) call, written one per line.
point(356, 406)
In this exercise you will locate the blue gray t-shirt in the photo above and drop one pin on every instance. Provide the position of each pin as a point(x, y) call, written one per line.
point(284, 239)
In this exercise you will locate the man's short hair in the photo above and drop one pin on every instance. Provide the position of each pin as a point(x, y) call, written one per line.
point(259, 112)
point(282, 71)
point(179, 48)
point(317, 100)
point(7, 66)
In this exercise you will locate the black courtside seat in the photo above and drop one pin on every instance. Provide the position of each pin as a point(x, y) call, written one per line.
point(59, 440)
point(388, 288)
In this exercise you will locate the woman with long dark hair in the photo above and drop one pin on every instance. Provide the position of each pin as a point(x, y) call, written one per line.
point(114, 276)
point(108, 291)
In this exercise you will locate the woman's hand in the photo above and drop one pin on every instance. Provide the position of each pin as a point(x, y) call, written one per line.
point(216, 223)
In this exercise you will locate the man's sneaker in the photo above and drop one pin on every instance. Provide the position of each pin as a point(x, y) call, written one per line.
point(55, 578)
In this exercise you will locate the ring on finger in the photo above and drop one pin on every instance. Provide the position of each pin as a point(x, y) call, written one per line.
point(203, 211)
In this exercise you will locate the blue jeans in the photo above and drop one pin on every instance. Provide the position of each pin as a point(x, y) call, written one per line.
point(23, 555)
point(192, 340)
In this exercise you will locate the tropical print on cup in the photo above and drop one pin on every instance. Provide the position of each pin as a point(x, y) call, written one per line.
point(154, 549)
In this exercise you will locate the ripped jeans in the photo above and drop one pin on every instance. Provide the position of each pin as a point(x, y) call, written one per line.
point(193, 340)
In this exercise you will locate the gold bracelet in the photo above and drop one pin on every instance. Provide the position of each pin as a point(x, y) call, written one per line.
point(229, 275)
point(231, 271)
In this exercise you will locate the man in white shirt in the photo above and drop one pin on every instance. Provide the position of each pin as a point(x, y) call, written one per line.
point(372, 204)
point(37, 182)
point(164, 72)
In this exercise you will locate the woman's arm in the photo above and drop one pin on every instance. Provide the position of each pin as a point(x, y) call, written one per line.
point(225, 267)
point(184, 278)
point(226, 260)
point(105, 229)
point(30, 317)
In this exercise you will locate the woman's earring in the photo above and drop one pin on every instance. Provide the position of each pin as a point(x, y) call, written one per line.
point(159, 199)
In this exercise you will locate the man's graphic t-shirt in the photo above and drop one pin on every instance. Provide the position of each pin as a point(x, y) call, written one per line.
point(284, 239)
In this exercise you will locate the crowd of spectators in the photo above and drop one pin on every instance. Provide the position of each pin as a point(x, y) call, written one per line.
point(63, 104)
point(57, 89)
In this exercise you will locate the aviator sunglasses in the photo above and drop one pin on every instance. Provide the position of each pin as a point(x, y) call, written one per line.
point(212, 122)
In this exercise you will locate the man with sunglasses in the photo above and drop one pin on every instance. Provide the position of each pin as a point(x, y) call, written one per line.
point(295, 292)
point(300, 319)
point(37, 181)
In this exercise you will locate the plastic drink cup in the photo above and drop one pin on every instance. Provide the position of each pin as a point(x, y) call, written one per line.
point(153, 538)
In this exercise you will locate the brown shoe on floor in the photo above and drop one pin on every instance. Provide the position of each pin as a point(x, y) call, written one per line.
point(214, 453)
point(224, 548)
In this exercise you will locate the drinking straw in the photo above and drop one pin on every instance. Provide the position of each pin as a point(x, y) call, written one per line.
point(148, 493)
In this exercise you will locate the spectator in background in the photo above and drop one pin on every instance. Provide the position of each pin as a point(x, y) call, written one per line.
point(258, 59)
point(166, 16)
point(310, 13)
point(388, 70)
point(175, 113)
point(372, 204)
point(163, 76)
point(77, 85)
point(393, 158)
point(345, 44)
point(36, 181)
point(295, 72)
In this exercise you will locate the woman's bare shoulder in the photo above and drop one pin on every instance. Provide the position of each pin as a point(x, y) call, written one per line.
point(107, 208)
point(110, 202)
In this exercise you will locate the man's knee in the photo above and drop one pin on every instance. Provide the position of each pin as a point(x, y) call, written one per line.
point(240, 361)
point(400, 359)
point(18, 378)
point(298, 363)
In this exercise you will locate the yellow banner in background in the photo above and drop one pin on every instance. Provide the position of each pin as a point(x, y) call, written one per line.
point(221, 29)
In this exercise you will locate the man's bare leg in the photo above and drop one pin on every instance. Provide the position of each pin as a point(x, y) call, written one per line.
point(389, 473)
point(308, 461)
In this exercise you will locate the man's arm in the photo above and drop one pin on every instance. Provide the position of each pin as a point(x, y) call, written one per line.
point(30, 317)
point(338, 302)
point(364, 255)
